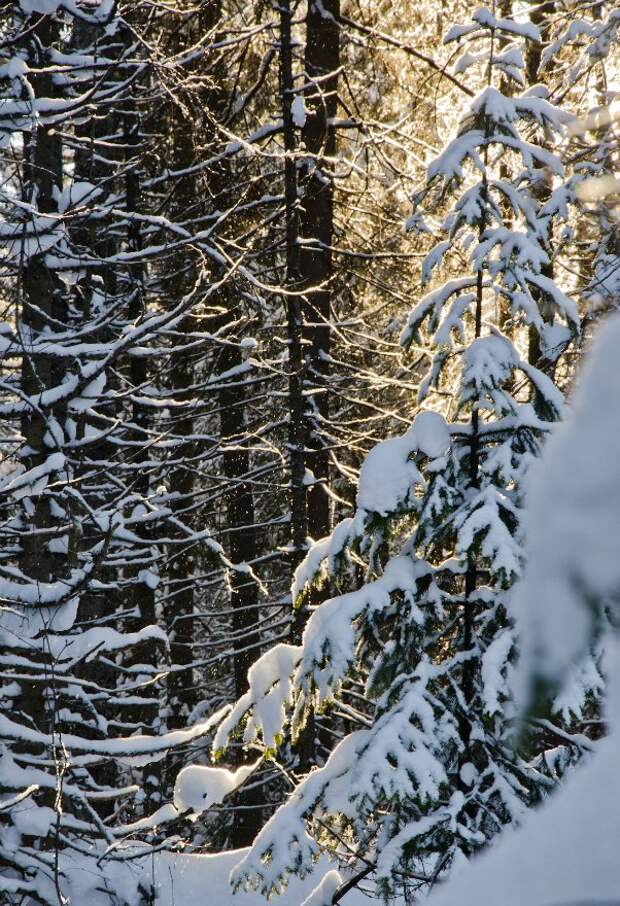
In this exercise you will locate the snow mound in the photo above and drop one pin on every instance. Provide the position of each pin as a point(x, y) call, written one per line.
point(429, 434)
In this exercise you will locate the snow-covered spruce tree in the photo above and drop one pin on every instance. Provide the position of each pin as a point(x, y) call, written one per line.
point(79, 532)
point(565, 601)
point(432, 776)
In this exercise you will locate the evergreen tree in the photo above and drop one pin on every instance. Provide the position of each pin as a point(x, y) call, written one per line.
point(432, 776)
point(83, 510)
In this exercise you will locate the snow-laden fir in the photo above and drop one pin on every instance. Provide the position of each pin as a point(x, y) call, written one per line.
point(433, 777)
point(566, 604)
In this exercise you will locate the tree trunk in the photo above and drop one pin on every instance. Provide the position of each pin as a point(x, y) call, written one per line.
point(316, 227)
point(144, 717)
point(242, 548)
point(43, 310)
point(182, 694)
point(539, 16)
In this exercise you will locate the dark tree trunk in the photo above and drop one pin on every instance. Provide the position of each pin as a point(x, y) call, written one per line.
point(143, 594)
point(92, 238)
point(316, 227)
point(144, 717)
point(43, 309)
point(180, 605)
point(296, 413)
point(242, 548)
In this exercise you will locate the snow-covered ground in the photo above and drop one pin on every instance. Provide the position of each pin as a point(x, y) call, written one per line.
point(193, 880)
point(184, 880)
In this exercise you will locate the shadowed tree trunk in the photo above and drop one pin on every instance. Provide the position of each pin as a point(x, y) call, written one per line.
point(297, 363)
point(296, 409)
point(182, 693)
point(143, 562)
point(91, 238)
point(242, 548)
point(316, 227)
point(44, 311)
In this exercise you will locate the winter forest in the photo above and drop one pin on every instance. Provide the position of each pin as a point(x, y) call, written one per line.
point(309, 452)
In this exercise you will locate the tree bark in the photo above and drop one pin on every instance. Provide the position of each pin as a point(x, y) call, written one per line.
point(43, 309)
point(539, 16)
point(296, 419)
point(242, 548)
point(316, 227)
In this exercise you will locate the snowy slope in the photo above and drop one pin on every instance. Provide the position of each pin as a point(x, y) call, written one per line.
point(567, 853)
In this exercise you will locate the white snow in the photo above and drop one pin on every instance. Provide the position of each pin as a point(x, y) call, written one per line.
point(299, 111)
point(567, 852)
point(434, 259)
point(321, 559)
point(324, 893)
point(495, 105)
point(330, 637)
point(432, 304)
point(450, 162)
point(47, 7)
point(429, 434)
point(597, 187)
point(15, 68)
point(194, 879)
point(269, 680)
point(493, 660)
point(77, 193)
point(456, 32)
point(524, 29)
point(388, 477)
point(311, 567)
point(574, 515)
point(464, 62)
point(29, 818)
point(144, 749)
point(89, 395)
point(453, 321)
point(34, 481)
point(198, 787)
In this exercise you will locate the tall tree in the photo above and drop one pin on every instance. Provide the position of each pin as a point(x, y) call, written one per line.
point(315, 112)
point(431, 776)
point(72, 540)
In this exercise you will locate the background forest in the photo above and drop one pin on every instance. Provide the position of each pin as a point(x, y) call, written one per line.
point(292, 297)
